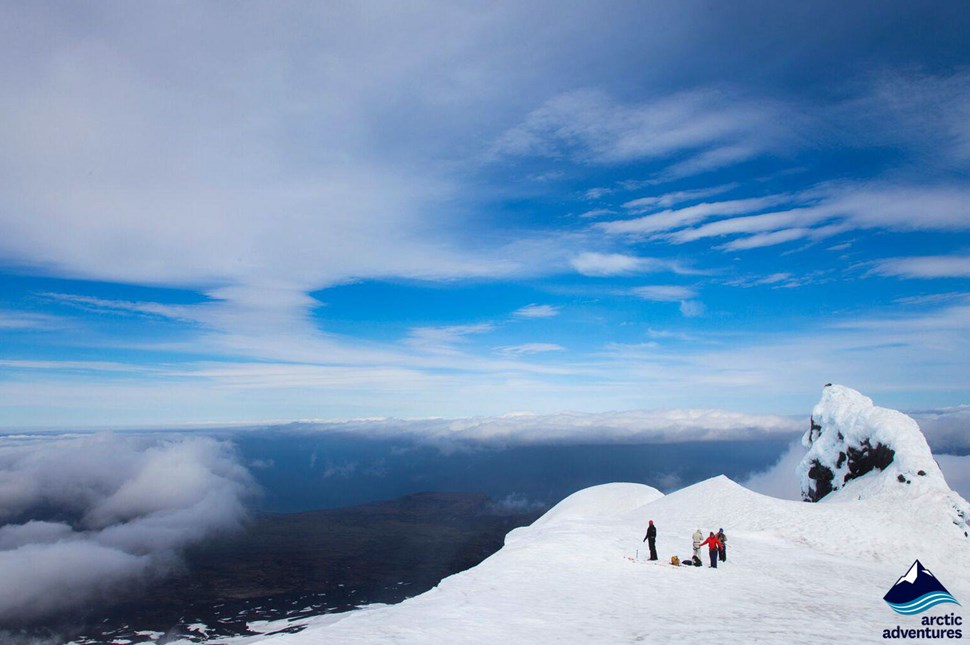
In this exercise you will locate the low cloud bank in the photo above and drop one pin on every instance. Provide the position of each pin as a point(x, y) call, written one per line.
point(780, 480)
point(633, 427)
point(83, 518)
point(945, 428)
point(956, 471)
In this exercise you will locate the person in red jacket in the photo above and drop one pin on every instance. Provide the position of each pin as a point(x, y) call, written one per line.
point(713, 547)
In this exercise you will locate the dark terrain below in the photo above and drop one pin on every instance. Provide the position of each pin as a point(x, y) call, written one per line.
point(298, 564)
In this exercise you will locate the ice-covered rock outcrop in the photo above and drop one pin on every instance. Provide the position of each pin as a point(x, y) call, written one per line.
point(852, 439)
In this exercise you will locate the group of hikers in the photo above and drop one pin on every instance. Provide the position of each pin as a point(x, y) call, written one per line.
point(716, 546)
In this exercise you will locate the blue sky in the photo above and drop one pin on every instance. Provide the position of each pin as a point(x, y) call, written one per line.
point(230, 212)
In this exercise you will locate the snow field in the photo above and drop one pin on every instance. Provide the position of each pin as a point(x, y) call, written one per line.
point(796, 573)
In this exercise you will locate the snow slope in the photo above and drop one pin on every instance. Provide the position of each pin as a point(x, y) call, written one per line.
point(796, 572)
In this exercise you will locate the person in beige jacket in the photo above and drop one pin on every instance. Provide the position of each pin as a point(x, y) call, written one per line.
point(698, 538)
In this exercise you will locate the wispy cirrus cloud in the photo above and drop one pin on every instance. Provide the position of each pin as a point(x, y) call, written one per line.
point(530, 348)
point(589, 126)
point(932, 266)
point(926, 113)
point(674, 219)
point(780, 280)
point(536, 311)
point(686, 296)
point(815, 214)
point(669, 200)
point(663, 293)
point(762, 240)
point(752, 224)
point(597, 212)
point(101, 305)
point(599, 265)
point(77, 366)
point(11, 320)
point(447, 336)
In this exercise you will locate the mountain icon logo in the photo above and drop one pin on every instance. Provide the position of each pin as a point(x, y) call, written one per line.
point(917, 591)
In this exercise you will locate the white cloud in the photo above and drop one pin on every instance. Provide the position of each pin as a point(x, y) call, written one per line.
point(815, 214)
point(530, 348)
point(767, 239)
point(945, 428)
point(719, 157)
point(678, 218)
point(934, 298)
point(956, 471)
point(28, 321)
point(938, 266)
point(597, 212)
point(597, 193)
point(443, 337)
point(599, 265)
point(84, 366)
point(773, 279)
point(904, 208)
point(99, 305)
point(909, 363)
point(663, 293)
point(780, 480)
point(753, 224)
point(692, 308)
point(591, 127)
point(606, 264)
point(131, 506)
point(669, 200)
point(927, 113)
point(637, 426)
point(341, 470)
point(255, 183)
point(537, 311)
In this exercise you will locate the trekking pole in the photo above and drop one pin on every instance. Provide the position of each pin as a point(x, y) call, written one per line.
point(637, 558)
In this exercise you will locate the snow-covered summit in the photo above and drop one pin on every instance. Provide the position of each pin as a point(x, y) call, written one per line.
point(850, 437)
point(600, 501)
point(857, 450)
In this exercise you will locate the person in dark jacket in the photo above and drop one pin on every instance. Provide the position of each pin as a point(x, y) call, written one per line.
point(713, 547)
point(722, 552)
point(652, 537)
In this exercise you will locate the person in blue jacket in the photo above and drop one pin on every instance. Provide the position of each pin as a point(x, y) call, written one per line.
point(722, 552)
